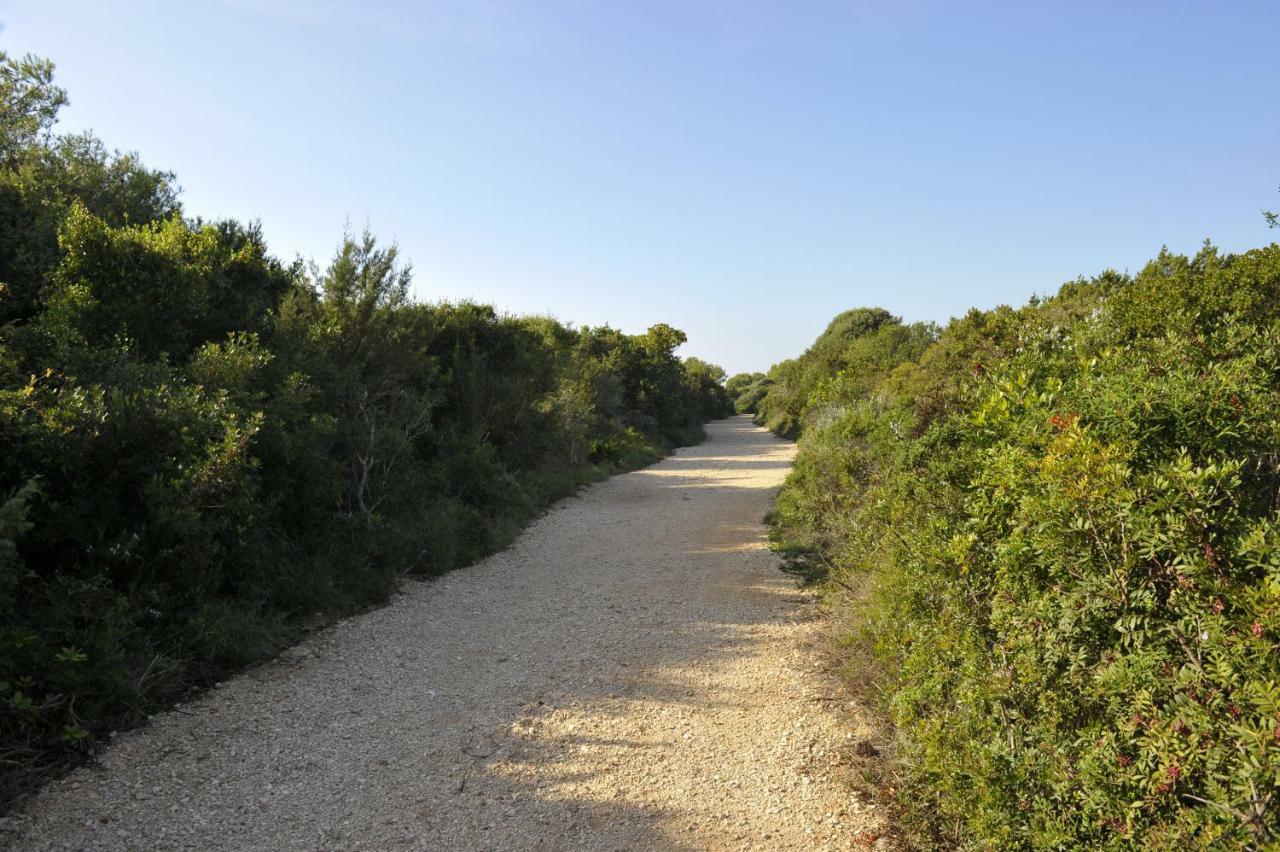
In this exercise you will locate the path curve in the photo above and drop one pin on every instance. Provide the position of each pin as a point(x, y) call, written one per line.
point(633, 673)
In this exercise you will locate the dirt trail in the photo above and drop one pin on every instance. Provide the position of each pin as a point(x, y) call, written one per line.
point(633, 673)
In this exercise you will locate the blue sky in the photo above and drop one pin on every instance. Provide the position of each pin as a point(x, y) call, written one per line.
point(740, 170)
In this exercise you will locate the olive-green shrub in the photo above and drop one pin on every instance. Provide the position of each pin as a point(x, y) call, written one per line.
point(204, 451)
point(1067, 520)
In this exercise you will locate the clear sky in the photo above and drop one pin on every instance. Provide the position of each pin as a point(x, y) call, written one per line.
point(740, 170)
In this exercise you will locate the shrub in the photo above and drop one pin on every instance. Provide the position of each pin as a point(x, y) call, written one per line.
point(207, 451)
point(1066, 519)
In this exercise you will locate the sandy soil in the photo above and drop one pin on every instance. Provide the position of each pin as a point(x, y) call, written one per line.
point(633, 673)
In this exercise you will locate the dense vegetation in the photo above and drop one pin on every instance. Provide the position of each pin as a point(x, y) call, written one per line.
point(1063, 526)
point(206, 450)
point(746, 390)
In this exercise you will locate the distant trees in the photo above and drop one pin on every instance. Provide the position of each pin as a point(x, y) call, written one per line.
point(746, 390)
point(705, 382)
point(856, 344)
point(204, 448)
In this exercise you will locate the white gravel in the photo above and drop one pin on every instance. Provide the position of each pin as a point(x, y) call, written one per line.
point(634, 672)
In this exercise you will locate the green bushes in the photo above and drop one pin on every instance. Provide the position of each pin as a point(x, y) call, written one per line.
point(1066, 520)
point(746, 390)
point(855, 347)
point(206, 451)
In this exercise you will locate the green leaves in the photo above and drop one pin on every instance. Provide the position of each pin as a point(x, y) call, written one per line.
point(205, 449)
point(29, 102)
point(1070, 547)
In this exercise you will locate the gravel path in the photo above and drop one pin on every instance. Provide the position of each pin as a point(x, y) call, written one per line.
point(634, 672)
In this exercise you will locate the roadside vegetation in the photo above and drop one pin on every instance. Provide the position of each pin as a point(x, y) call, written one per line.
point(1061, 525)
point(206, 450)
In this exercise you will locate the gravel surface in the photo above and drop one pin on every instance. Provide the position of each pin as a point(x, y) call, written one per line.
point(634, 672)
